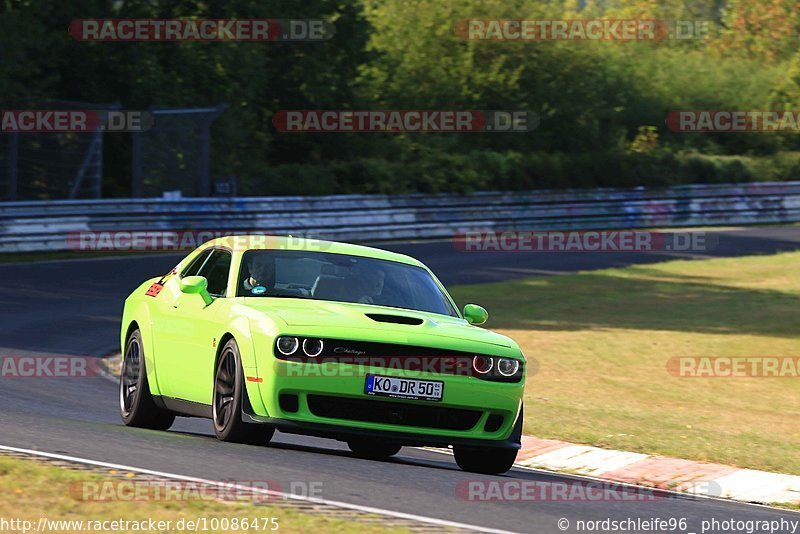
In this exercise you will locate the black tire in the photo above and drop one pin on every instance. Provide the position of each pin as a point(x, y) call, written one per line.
point(136, 405)
point(485, 460)
point(227, 401)
point(490, 460)
point(373, 449)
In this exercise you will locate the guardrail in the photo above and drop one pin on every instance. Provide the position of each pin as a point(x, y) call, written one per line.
point(48, 225)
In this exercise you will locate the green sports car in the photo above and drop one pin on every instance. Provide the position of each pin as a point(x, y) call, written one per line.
point(320, 338)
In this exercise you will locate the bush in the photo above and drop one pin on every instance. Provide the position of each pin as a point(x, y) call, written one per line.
point(434, 172)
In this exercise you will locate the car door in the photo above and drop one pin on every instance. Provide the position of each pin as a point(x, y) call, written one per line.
point(188, 333)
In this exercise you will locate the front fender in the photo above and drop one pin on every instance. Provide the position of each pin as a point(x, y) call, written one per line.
point(240, 329)
point(263, 333)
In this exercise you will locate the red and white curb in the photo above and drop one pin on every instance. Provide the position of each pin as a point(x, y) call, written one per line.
point(661, 472)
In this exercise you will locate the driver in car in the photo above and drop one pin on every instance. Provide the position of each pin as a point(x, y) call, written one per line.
point(372, 286)
point(262, 273)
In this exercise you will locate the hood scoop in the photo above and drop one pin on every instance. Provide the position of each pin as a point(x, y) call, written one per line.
point(396, 319)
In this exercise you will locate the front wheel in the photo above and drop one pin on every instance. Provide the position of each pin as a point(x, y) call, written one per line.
point(374, 449)
point(485, 460)
point(227, 401)
point(491, 460)
point(136, 405)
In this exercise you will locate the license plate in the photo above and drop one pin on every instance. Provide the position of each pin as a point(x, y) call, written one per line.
point(404, 388)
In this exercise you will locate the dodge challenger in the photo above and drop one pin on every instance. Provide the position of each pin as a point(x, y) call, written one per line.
point(357, 344)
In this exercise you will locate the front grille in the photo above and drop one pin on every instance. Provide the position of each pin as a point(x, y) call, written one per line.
point(393, 413)
point(400, 357)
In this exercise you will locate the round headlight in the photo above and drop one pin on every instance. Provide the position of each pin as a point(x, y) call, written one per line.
point(507, 366)
point(312, 347)
point(288, 345)
point(482, 364)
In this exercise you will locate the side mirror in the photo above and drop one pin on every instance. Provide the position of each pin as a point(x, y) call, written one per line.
point(198, 285)
point(475, 314)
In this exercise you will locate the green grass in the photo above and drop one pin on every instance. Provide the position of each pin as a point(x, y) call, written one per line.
point(32, 490)
point(602, 340)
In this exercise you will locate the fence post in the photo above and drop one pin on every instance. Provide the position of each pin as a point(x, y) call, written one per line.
point(204, 186)
point(204, 167)
point(13, 168)
point(97, 182)
point(93, 154)
point(136, 164)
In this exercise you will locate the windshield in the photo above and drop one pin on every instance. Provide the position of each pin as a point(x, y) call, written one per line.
point(340, 278)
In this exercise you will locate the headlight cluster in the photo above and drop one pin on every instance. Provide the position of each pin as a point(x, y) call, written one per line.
point(301, 349)
point(312, 347)
point(490, 367)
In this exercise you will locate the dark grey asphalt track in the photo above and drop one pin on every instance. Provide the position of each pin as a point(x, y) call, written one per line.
point(455, 267)
point(73, 307)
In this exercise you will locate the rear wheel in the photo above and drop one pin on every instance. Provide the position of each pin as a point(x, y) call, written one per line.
point(136, 405)
point(374, 449)
point(227, 401)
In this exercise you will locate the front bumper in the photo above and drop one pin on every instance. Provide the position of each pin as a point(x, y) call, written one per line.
point(331, 402)
point(344, 433)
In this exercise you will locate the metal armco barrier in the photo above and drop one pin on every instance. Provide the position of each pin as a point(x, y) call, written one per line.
point(47, 225)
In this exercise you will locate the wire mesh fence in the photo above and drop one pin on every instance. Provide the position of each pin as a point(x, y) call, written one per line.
point(174, 154)
point(52, 165)
point(171, 155)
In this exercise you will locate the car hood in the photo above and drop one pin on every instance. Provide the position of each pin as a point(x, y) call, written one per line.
point(348, 316)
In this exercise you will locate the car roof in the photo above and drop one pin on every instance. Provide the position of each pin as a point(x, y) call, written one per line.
point(245, 242)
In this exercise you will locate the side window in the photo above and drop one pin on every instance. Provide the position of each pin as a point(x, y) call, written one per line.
point(216, 271)
point(194, 267)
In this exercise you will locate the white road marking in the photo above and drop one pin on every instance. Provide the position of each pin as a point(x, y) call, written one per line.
point(227, 486)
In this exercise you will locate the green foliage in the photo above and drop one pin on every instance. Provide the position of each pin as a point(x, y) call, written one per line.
point(646, 139)
point(593, 98)
point(438, 172)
